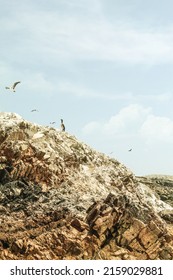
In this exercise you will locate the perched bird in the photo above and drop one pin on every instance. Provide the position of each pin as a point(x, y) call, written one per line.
point(62, 126)
point(34, 110)
point(13, 86)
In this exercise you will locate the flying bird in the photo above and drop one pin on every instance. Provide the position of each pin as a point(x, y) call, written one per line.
point(129, 150)
point(13, 86)
point(52, 122)
point(62, 126)
point(34, 110)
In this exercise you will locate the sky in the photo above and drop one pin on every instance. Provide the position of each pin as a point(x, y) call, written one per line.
point(104, 66)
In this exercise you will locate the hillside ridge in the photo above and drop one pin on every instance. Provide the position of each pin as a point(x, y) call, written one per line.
point(61, 199)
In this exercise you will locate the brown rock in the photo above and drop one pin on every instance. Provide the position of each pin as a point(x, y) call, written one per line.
point(60, 199)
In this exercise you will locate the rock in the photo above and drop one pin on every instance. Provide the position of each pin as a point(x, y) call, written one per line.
point(4, 176)
point(162, 186)
point(167, 215)
point(60, 199)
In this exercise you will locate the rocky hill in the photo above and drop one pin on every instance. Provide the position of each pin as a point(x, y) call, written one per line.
point(60, 199)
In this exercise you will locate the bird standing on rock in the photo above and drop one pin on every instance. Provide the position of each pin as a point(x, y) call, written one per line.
point(13, 86)
point(62, 125)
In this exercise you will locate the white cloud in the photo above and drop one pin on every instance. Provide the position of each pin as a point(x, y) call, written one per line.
point(92, 127)
point(157, 128)
point(77, 90)
point(91, 6)
point(126, 122)
point(37, 83)
point(162, 97)
point(61, 35)
point(134, 120)
point(101, 40)
point(81, 91)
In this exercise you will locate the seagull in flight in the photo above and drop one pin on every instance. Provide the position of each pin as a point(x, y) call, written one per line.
point(34, 110)
point(13, 86)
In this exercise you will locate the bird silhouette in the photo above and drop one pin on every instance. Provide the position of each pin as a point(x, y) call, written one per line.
point(13, 86)
point(34, 110)
point(62, 125)
point(129, 150)
point(52, 122)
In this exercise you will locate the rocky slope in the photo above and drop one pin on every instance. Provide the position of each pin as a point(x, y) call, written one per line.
point(161, 185)
point(60, 199)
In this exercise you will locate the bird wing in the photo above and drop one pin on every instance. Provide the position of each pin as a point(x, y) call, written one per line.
point(15, 84)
